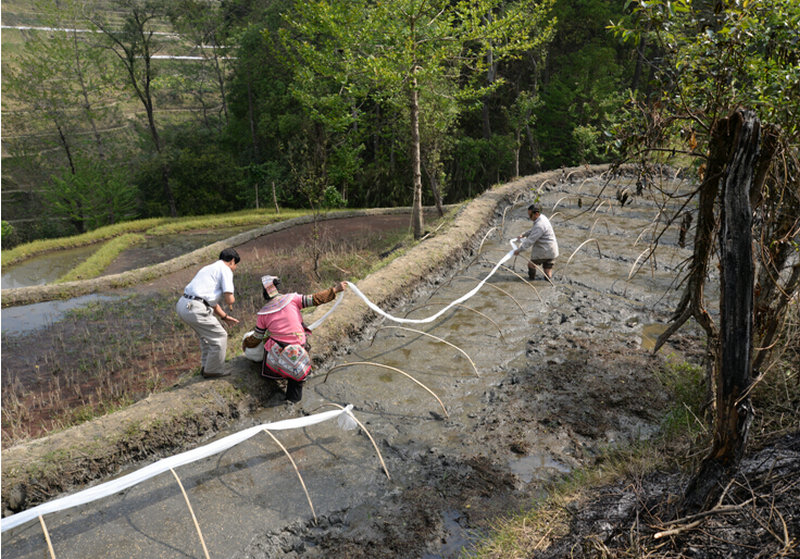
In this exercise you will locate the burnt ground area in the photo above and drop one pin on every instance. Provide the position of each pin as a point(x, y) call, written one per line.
point(758, 515)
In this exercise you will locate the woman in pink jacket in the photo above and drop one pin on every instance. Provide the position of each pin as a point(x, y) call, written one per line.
point(280, 323)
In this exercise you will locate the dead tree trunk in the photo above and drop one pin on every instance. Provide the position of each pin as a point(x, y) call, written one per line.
point(735, 342)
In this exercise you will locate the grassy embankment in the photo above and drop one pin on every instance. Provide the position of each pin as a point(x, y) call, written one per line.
point(683, 441)
point(114, 239)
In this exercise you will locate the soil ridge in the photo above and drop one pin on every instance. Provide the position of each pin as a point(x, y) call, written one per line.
point(51, 291)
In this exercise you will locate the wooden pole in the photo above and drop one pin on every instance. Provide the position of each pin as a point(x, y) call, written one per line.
point(296, 470)
point(47, 538)
point(191, 511)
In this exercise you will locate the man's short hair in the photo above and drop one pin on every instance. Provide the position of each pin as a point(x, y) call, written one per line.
point(535, 208)
point(229, 254)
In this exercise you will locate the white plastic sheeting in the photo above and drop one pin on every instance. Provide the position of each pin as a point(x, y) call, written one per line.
point(257, 353)
point(431, 318)
point(115, 486)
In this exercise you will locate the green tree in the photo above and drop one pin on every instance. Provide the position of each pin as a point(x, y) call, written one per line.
point(521, 117)
point(62, 92)
point(96, 194)
point(134, 44)
point(390, 51)
point(202, 24)
point(722, 58)
point(585, 73)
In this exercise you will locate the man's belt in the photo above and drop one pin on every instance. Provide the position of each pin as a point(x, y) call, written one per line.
point(196, 298)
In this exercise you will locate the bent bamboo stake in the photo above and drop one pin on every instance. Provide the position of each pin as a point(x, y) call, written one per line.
point(508, 208)
point(374, 445)
point(487, 235)
point(558, 202)
point(437, 338)
point(595, 223)
point(47, 537)
point(600, 205)
point(646, 228)
point(526, 281)
point(297, 471)
point(487, 317)
point(392, 369)
point(500, 289)
point(191, 511)
point(544, 182)
point(635, 262)
point(462, 305)
point(580, 246)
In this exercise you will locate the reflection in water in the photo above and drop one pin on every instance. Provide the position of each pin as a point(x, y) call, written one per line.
point(650, 334)
point(538, 465)
point(26, 318)
point(45, 268)
point(456, 536)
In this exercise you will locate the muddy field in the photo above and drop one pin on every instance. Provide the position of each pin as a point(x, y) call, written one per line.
point(541, 379)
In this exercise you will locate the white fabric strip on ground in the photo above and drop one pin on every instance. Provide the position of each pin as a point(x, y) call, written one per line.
point(164, 465)
point(381, 312)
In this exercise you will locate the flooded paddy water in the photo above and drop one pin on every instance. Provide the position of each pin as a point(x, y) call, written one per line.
point(49, 267)
point(553, 375)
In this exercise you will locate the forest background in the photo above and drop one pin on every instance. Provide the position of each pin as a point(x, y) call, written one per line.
point(131, 109)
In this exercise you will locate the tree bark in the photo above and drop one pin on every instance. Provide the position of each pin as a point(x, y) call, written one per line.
point(84, 92)
point(431, 169)
point(735, 349)
point(691, 303)
point(416, 166)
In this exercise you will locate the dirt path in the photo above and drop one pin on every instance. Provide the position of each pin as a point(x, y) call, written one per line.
point(561, 375)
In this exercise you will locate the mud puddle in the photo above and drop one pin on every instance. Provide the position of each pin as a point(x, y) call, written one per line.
point(560, 376)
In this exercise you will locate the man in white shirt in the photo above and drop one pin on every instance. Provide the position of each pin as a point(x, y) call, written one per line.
point(542, 241)
point(201, 300)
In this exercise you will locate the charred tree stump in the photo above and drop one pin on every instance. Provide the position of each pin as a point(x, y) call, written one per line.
point(733, 365)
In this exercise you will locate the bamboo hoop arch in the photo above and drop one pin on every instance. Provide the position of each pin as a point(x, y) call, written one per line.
point(191, 511)
point(480, 247)
point(437, 338)
point(463, 306)
point(595, 223)
point(47, 538)
point(544, 182)
point(646, 227)
point(374, 444)
point(342, 365)
point(631, 273)
point(500, 289)
point(559, 201)
point(600, 205)
point(526, 281)
point(296, 470)
point(580, 246)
